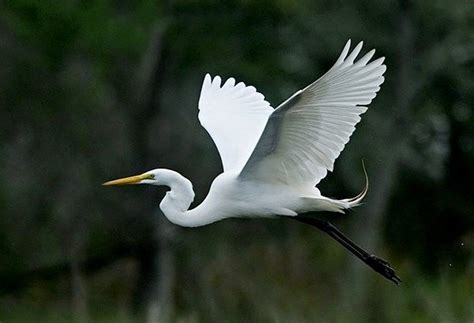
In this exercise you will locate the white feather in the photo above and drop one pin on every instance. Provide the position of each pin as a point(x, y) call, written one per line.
point(234, 116)
point(306, 133)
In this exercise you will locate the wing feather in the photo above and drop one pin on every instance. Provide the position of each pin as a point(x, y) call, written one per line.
point(234, 115)
point(306, 133)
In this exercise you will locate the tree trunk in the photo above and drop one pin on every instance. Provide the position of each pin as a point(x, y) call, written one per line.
point(367, 229)
point(160, 304)
point(78, 286)
point(157, 262)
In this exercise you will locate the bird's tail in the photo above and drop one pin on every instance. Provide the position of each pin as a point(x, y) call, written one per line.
point(344, 204)
point(334, 205)
point(355, 201)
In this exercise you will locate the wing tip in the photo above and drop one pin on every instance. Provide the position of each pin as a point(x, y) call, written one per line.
point(344, 52)
point(229, 83)
point(217, 81)
point(207, 79)
point(349, 60)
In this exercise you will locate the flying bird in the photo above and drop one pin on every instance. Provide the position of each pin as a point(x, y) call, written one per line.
point(274, 158)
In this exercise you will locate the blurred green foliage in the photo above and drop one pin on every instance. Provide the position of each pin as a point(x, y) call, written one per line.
point(92, 90)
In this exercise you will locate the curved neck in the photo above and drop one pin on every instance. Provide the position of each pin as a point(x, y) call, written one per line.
point(177, 200)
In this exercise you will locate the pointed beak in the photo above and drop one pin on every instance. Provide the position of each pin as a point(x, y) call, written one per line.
point(127, 180)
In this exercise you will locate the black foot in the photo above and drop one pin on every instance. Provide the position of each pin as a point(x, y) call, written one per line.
point(383, 268)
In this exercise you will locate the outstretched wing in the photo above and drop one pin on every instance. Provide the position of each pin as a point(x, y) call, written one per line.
point(235, 116)
point(305, 134)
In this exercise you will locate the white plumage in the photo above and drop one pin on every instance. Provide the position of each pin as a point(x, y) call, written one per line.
point(273, 158)
point(234, 115)
point(306, 133)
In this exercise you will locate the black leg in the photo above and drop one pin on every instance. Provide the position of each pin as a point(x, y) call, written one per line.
point(377, 264)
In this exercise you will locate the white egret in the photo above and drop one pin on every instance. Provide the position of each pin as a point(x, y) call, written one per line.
point(274, 158)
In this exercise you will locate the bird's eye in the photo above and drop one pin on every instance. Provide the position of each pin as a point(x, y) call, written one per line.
point(151, 176)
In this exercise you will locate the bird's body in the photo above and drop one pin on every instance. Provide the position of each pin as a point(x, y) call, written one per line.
point(274, 158)
point(231, 197)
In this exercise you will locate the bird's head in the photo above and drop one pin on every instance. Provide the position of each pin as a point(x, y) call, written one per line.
point(151, 177)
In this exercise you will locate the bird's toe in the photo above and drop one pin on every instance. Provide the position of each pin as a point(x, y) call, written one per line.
point(383, 267)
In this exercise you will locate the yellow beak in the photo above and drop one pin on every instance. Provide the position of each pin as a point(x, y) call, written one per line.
point(127, 180)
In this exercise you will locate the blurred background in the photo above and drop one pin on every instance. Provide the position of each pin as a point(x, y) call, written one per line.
point(99, 89)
